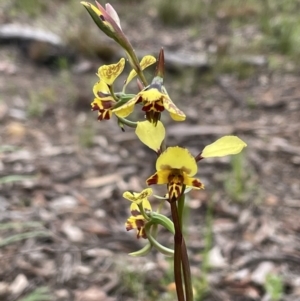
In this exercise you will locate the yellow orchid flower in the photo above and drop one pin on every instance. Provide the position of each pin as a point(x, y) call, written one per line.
point(176, 166)
point(104, 102)
point(136, 197)
point(155, 99)
point(137, 220)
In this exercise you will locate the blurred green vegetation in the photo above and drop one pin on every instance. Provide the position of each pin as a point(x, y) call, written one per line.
point(274, 286)
point(39, 294)
point(241, 183)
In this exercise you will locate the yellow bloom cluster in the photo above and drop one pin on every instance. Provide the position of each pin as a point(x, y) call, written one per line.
point(176, 167)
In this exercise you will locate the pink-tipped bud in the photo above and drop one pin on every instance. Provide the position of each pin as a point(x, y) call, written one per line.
point(111, 11)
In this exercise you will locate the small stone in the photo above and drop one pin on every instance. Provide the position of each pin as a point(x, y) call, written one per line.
point(93, 293)
point(15, 130)
point(260, 273)
point(272, 200)
point(73, 233)
point(100, 213)
point(62, 294)
point(216, 259)
point(64, 203)
point(4, 288)
point(97, 252)
point(83, 270)
point(18, 285)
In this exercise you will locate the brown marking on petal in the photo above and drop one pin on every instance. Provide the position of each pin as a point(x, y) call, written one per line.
point(197, 183)
point(153, 106)
point(158, 106)
point(182, 169)
point(135, 212)
point(152, 180)
point(108, 104)
point(102, 95)
point(140, 224)
point(95, 107)
point(104, 115)
point(139, 99)
point(175, 180)
point(147, 62)
point(171, 106)
point(111, 70)
point(176, 176)
point(186, 170)
point(147, 107)
point(153, 117)
point(143, 233)
point(175, 191)
point(129, 226)
point(165, 167)
point(143, 195)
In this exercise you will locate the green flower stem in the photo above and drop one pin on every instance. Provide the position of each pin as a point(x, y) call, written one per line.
point(112, 93)
point(143, 212)
point(142, 252)
point(142, 77)
point(185, 260)
point(161, 219)
point(177, 252)
point(122, 99)
point(127, 122)
point(134, 62)
point(164, 250)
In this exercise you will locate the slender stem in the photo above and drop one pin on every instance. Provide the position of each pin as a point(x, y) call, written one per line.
point(185, 260)
point(143, 78)
point(143, 212)
point(161, 219)
point(112, 93)
point(177, 252)
point(133, 60)
point(127, 122)
point(180, 206)
point(164, 250)
point(186, 273)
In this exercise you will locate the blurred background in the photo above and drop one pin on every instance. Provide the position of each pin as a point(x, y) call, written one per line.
point(232, 67)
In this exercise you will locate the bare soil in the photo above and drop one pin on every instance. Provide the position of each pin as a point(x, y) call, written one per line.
point(62, 226)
